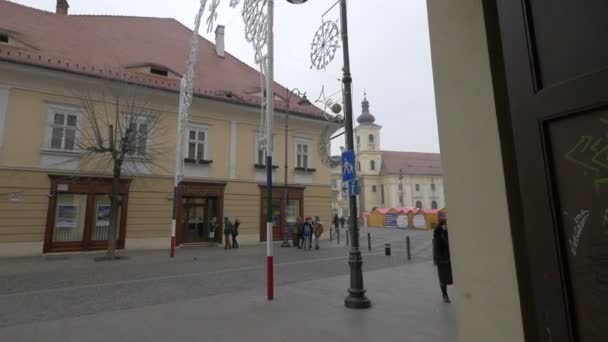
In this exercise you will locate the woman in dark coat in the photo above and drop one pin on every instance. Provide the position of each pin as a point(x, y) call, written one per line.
point(441, 256)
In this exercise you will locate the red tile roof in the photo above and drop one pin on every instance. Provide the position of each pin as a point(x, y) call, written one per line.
point(411, 163)
point(103, 46)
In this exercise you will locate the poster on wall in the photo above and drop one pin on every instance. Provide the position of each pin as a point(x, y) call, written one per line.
point(66, 216)
point(402, 221)
point(391, 220)
point(15, 197)
point(419, 221)
point(103, 215)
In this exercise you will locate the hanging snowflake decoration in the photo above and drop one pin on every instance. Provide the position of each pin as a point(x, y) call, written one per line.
point(212, 14)
point(324, 45)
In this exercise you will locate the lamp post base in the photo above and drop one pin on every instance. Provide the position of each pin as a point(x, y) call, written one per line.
point(360, 302)
point(356, 298)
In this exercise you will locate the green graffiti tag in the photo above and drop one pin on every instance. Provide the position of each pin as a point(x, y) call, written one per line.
point(598, 182)
point(582, 146)
point(591, 153)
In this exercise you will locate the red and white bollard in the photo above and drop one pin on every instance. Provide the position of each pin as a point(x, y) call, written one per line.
point(269, 263)
point(172, 238)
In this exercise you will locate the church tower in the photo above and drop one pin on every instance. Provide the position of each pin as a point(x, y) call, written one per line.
point(369, 156)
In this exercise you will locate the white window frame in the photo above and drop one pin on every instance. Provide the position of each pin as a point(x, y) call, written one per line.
point(66, 110)
point(308, 143)
point(187, 141)
point(139, 119)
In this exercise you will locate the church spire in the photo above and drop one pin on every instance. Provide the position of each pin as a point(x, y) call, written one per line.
point(366, 117)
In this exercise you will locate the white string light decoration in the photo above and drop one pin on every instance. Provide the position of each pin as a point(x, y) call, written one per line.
point(255, 18)
point(213, 6)
point(335, 123)
point(325, 144)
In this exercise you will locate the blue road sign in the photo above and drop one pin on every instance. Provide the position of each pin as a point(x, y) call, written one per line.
point(351, 188)
point(348, 166)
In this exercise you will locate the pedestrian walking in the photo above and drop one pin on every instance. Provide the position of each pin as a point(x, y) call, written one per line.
point(318, 230)
point(235, 233)
point(342, 221)
point(336, 222)
point(228, 227)
point(441, 257)
point(308, 228)
point(212, 227)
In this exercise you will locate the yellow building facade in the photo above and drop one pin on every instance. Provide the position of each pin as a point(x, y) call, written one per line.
point(50, 201)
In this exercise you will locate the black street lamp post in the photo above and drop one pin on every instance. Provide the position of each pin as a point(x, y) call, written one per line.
point(356, 298)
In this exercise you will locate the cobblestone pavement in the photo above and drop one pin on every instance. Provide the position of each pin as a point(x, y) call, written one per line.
point(49, 288)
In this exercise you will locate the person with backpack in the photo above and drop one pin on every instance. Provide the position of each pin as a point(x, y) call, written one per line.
point(235, 233)
point(228, 227)
point(307, 230)
point(318, 230)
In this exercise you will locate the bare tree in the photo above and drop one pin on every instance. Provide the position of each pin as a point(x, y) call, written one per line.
point(121, 133)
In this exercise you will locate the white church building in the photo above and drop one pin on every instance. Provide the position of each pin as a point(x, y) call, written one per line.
point(389, 179)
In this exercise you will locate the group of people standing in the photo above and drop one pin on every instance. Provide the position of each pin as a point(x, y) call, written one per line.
point(304, 230)
point(231, 231)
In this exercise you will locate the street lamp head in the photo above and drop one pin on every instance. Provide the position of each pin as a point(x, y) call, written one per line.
point(296, 2)
point(336, 108)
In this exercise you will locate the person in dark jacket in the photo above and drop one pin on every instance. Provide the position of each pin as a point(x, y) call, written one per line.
point(336, 222)
point(308, 227)
point(342, 221)
point(228, 227)
point(298, 233)
point(235, 233)
point(317, 231)
point(441, 257)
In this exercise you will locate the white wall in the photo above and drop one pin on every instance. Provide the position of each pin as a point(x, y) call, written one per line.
point(488, 303)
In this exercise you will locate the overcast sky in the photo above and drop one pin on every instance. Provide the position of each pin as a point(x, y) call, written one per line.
point(389, 48)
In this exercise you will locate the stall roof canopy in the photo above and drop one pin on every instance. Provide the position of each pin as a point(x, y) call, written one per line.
point(429, 211)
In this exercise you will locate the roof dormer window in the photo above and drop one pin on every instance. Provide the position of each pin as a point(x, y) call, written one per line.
point(159, 71)
point(14, 39)
point(154, 69)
